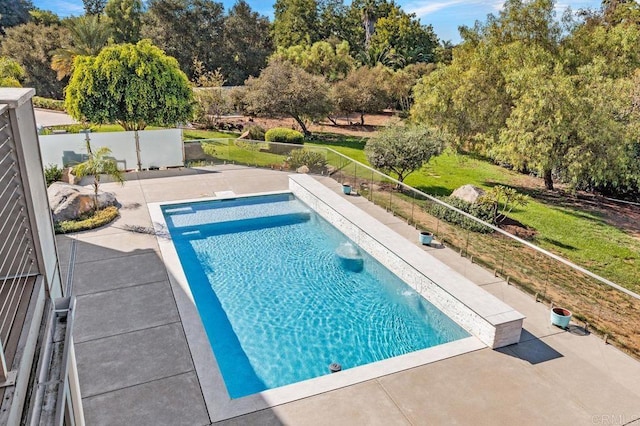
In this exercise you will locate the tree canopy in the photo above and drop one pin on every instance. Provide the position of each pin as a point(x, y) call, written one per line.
point(247, 43)
point(521, 91)
point(14, 12)
point(403, 150)
point(31, 45)
point(89, 35)
point(132, 85)
point(187, 30)
point(125, 19)
point(284, 89)
point(321, 58)
point(10, 73)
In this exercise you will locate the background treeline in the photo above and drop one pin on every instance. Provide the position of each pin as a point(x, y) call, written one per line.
point(555, 97)
point(205, 38)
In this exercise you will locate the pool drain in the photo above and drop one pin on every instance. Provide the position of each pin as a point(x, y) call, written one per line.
point(334, 367)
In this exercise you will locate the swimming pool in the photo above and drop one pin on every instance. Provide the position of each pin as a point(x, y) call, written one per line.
point(282, 293)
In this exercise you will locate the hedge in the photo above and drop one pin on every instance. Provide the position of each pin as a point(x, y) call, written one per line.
point(282, 134)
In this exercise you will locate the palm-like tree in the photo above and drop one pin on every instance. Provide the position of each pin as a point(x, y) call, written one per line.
point(89, 35)
point(99, 163)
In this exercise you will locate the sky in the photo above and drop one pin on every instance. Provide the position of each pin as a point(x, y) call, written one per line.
point(445, 15)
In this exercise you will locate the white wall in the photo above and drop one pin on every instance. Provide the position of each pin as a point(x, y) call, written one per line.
point(158, 148)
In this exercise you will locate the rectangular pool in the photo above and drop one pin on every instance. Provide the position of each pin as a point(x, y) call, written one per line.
point(282, 294)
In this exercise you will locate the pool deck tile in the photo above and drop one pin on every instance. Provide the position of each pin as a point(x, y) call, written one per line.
point(123, 310)
point(144, 373)
point(127, 359)
point(90, 248)
point(118, 272)
point(174, 401)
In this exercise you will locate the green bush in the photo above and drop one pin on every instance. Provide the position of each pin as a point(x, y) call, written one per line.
point(256, 132)
point(52, 173)
point(46, 103)
point(68, 128)
point(282, 134)
point(89, 221)
point(314, 160)
point(482, 212)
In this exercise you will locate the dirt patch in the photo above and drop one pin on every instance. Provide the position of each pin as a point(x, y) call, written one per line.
point(346, 125)
point(516, 228)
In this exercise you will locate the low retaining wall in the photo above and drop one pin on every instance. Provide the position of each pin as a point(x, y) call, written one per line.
point(494, 322)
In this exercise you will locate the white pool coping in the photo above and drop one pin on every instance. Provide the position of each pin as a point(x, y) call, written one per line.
point(219, 404)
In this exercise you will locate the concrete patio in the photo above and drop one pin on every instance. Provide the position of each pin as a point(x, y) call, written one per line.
point(136, 368)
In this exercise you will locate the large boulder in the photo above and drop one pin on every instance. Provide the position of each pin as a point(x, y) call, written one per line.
point(468, 193)
point(68, 202)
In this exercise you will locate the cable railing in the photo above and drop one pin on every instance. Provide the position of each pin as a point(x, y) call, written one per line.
point(605, 307)
point(17, 261)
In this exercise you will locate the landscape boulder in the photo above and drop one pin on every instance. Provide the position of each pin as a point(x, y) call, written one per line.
point(68, 202)
point(468, 193)
point(302, 169)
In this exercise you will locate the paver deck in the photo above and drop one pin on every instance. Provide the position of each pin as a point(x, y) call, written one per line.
point(135, 366)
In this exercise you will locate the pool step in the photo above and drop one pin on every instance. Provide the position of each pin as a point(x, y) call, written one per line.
point(241, 225)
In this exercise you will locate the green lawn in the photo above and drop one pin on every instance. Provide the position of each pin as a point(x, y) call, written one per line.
point(580, 236)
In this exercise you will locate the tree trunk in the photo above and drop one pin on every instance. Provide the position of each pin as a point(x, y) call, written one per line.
point(334, 121)
point(96, 184)
point(548, 179)
point(302, 126)
point(362, 118)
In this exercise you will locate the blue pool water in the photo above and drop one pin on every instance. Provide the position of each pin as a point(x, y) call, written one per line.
point(279, 304)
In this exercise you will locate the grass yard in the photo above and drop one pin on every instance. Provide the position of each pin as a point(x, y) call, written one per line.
point(582, 236)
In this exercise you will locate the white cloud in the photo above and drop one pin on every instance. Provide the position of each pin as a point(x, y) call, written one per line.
point(423, 8)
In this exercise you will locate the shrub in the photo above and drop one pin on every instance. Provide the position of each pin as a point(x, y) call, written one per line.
point(480, 211)
point(68, 128)
point(314, 160)
point(52, 173)
point(282, 134)
point(89, 221)
point(46, 103)
point(256, 133)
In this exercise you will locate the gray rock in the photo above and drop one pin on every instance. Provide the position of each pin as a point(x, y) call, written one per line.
point(68, 202)
point(468, 193)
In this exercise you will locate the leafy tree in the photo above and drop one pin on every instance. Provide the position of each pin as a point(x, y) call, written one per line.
point(94, 7)
point(132, 85)
point(321, 58)
point(88, 36)
point(210, 97)
point(403, 150)
point(10, 73)
point(403, 82)
point(364, 90)
point(331, 17)
point(31, 45)
point(187, 30)
point(247, 43)
point(14, 12)
point(125, 19)
point(367, 13)
point(99, 163)
point(404, 36)
point(295, 22)
point(284, 89)
point(520, 93)
point(44, 17)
